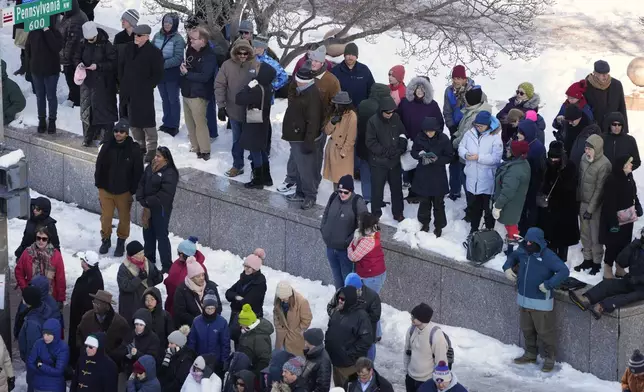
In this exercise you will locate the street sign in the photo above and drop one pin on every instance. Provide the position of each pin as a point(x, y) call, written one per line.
point(35, 15)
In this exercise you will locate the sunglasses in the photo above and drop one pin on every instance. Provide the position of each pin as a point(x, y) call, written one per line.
point(616, 124)
point(388, 112)
point(43, 239)
point(242, 53)
point(519, 92)
point(88, 346)
point(343, 192)
point(120, 131)
point(341, 299)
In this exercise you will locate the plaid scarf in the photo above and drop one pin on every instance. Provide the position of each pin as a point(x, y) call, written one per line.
point(459, 93)
point(41, 262)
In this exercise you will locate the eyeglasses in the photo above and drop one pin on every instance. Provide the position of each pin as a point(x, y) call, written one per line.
point(519, 92)
point(616, 124)
point(343, 192)
point(120, 131)
point(43, 239)
point(36, 208)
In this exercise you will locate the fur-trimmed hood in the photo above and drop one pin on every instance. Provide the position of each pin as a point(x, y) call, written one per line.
point(427, 86)
point(530, 104)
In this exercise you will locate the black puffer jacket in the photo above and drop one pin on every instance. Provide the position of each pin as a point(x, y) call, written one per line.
point(368, 300)
point(119, 166)
point(42, 51)
point(366, 110)
point(317, 370)
point(156, 190)
point(35, 222)
point(253, 290)
point(98, 91)
point(185, 307)
point(632, 257)
point(71, 29)
point(382, 140)
point(174, 375)
point(88, 283)
point(618, 145)
point(254, 136)
point(146, 343)
point(162, 323)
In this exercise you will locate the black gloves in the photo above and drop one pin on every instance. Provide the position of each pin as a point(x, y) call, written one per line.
point(587, 215)
point(143, 275)
point(638, 210)
point(453, 129)
point(221, 114)
point(307, 148)
point(11, 381)
point(335, 119)
point(558, 136)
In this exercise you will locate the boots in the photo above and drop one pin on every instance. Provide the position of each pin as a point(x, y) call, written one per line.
point(526, 358)
point(548, 365)
point(51, 127)
point(266, 173)
point(587, 264)
point(595, 269)
point(257, 182)
point(42, 125)
point(425, 227)
point(106, 244)
point(120, 248)
point(88, 139)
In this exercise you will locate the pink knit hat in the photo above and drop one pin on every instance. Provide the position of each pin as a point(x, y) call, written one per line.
point(261, 253)
point(194, 268)
point(531, 115)
point(254, 262)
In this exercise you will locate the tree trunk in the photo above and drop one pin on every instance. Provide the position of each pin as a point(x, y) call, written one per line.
point(290, 55)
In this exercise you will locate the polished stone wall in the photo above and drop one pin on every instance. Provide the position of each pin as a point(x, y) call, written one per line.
point(226, 216)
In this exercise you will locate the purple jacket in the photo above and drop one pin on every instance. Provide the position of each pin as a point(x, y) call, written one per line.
point(412, 111)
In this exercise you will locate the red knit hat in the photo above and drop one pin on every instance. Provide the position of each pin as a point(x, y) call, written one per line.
point(577, 89)
point(398, 72)
point(138, 368)
point(459, 72)
point(519, 148)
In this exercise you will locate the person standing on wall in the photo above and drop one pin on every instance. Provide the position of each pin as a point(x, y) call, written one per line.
point(70, 28)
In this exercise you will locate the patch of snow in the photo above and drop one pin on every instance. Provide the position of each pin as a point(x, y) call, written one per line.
point(11, 158)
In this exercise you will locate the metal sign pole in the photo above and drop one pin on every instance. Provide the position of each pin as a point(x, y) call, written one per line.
point(5, 312)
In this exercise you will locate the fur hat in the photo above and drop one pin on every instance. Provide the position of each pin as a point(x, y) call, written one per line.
point(422, 312)
point(351, 49)
point(474, 96)
point(254, 262)
point(346, 182)
point(398, 72)
point(314, 336)
point(247, 317)
point(177, 338)
point(528, 88)
point(131, 16)
point(459, 72)
point(284, 290)
point(134, 248)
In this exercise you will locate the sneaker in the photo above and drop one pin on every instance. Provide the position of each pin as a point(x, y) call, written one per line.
point(234, 172)
point(525, 359)
point(548, 365)
point(287, 188)
point(307, 204)
point(295, 198)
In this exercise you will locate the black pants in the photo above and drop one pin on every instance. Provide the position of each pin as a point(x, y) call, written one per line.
point(74, 90)
point(425, 211)
point(561, 251)
point(528, 218)
point(379, 176)
point(477, 206)
point(412, 385)
point(614, 293)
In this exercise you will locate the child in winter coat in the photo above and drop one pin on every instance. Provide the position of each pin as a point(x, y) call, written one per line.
point(209, 333)
point(442, 381)
point(95, 369)
point(201, 378)
point(162, 323)
point(633, 378)
point(48, 360)
point(144, 376)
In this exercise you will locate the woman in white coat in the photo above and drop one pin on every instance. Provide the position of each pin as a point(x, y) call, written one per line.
point(201, 378)
point(482, 150)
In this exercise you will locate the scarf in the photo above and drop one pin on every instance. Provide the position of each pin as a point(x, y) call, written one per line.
point(41, 262)
point(199, 290)
point(157, 165)
point(459, 93)
point(592, 79)
point(140, 264)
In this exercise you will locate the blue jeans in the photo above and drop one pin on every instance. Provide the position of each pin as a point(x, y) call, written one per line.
point(157, 231)
point(258, 158)
point(340, 265)
point(375, 284)
point(456, 178)
point(169, 92)
point(365, 179)
point(45, 87)
point(237, 151)
point(211, 117)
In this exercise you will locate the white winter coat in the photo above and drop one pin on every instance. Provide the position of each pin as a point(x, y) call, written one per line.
point(5, 364)
point(212, 384)
point(479, 175)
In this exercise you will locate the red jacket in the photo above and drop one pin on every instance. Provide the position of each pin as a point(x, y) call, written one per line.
point(176, 276)
point(57, 284)
point(302, 60)
point(373, 263)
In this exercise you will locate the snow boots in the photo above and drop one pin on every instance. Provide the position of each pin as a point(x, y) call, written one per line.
point(106, 244)
point(266, 175)
point(526, 358)
point(548, 365)
point(51, 126)
point(42, 125)
point(587, 264)
point(120, 248)
point(257, 181)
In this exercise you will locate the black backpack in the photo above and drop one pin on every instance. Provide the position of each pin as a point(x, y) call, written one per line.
point(483, 245)
point(354, 204)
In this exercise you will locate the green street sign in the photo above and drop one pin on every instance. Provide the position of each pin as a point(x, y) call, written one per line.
point(36, 15)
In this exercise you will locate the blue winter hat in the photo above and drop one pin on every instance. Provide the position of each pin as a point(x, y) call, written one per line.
point(484, 118)
point(187, 247)
point(354, 280)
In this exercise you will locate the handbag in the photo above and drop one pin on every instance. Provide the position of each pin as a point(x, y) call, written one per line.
point(627, 215)
point(407, 162)
point(256, 116)
point(542, 199)
point(21, 38)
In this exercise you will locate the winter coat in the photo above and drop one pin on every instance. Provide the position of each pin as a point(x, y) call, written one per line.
point(150, 383)
point(231, 78)
point(318, 370)
point(254, 136)
point(147, 343)
point(131, 287)
point(479, 174)
point(98, 91)
point(36, 222)
point(30, 329)
point(42, 52)
point(425, 351)
point(512, 181)
point(631, 382)
point(161, 321)
point(452, 110)
point(210, 335)
point(560, 220)
point(382, 140)
point(366, 110)
point(339, 151)
point(327, 84)
point(256, 344)
point(290, 325)
point(302, 60)
point(253, 290)
point(273, 373)
point(13, 101)
point(71, 30)
point(176, 276)
point(431, 180)
point(211, 384)
point(467, 122)
point(621, 144)
point(280, 78)
point(568, 133)
point(339, 222)
point(378, 384)
point(42, 284)
point(349, 335)
point(536, 159)
point(119, 166)
point(117, 331)
point(140, 70)
point(6, 367)
point(239, 362)
point(98, 373)
point(54, 272)
point(156, 190)
point(246, 375)
point(53, 357)
point(368, 300)
point(172, 376)
point(356, 81)
point(525, 106)
point(304, 115)
point(172, 46)
point(187, 304)
point(413, 111)
point(632, 257)
point(587, 110)
point(88, 283)
point(200, 80)
point(579, 145)
point(122, 37)
point(604, 102)
point(592, 176)
point(620, 193)
point(430, 386)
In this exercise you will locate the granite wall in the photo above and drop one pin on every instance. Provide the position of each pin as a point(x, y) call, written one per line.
point(225, 216)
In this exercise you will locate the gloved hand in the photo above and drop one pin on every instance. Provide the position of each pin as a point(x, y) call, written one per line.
point(61, 305)
point(543, 288)
point(221, 114)
point(143, 275)
point(496, 212)
point(426, 161)
point(252, 83)
point(402, 143)
point(335, 119)
point(587, 215)
point(307, 148)
point(614, 229)
point(512, 277)
point(558, 136)
point(11, 381)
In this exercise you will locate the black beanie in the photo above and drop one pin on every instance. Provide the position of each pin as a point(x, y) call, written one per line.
point(31, 295)
point(422, 313)
point(133, 248)
point(572, 113)
point(314, 336)
point(556, 149)
point(351, 48)
point(350, 296)
point(474, 96)
point(346, 182)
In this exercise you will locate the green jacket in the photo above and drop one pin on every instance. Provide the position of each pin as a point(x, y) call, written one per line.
point(511, 186)
point(256, 344)
point(13, 101)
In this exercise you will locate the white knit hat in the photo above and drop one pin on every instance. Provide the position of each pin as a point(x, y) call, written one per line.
point(91, 341)
point(284, 290)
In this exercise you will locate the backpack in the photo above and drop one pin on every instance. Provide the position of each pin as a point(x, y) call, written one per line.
point(450, 350)
point(483, 245)
point(354, 204)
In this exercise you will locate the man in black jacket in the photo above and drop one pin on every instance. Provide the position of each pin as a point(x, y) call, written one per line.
point(119, 167)
point(617, 141)
point(318, 368)
point(605, 94)
point(70, 29)
point(367, 379)
point(386, 142)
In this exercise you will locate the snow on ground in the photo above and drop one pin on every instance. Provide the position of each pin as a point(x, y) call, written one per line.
point(573, 34)
point(481, 363)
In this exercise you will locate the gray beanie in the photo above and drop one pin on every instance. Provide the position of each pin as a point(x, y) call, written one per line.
point(131, 16)
point(246, 25)
point(318, 54)
point(89, 30)
point(177, 338)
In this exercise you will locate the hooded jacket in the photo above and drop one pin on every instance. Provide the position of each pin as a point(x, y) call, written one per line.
point(187, 305)
point(620, 193)
point(592, 176)
point(162, 323)
point(35, 222)
point(431, 180)
point(245, 375)
point(29, 330)
point(210, 335)
point(413, 111)
point(42, 284)
point(536, 268)
point(254, 136)
point(366, 110)
point(257, 345)
point(488, 146)
point(621, 144)
point(273, 373)
point(356, 81)
point(176, 276)
point(88, 283)
point(238, 362)
point(150, 383)
point(53, 357)
point(71, 30)
point(13, 101)
point(303, 120)
point(382, 140)
point(536, 159)
point(54, 272)
point(131, 287)
point(97, 373)
point(339, 221)
point(119, 166)
point(368, 300)
point(171, 44)
point(290, 325)
point(579, 143)
point(512, 181)
point(232, 77)
point(147, 343)
point(318, 370)
point(252, 288)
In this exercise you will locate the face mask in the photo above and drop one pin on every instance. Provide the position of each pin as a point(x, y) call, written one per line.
point(533, 248)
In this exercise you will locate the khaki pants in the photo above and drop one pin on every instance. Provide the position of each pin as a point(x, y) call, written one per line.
point(538, 324)
point(194, 111)
point(123, 204)
point(147, 138)
point(590, 246)
point(341, 375)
